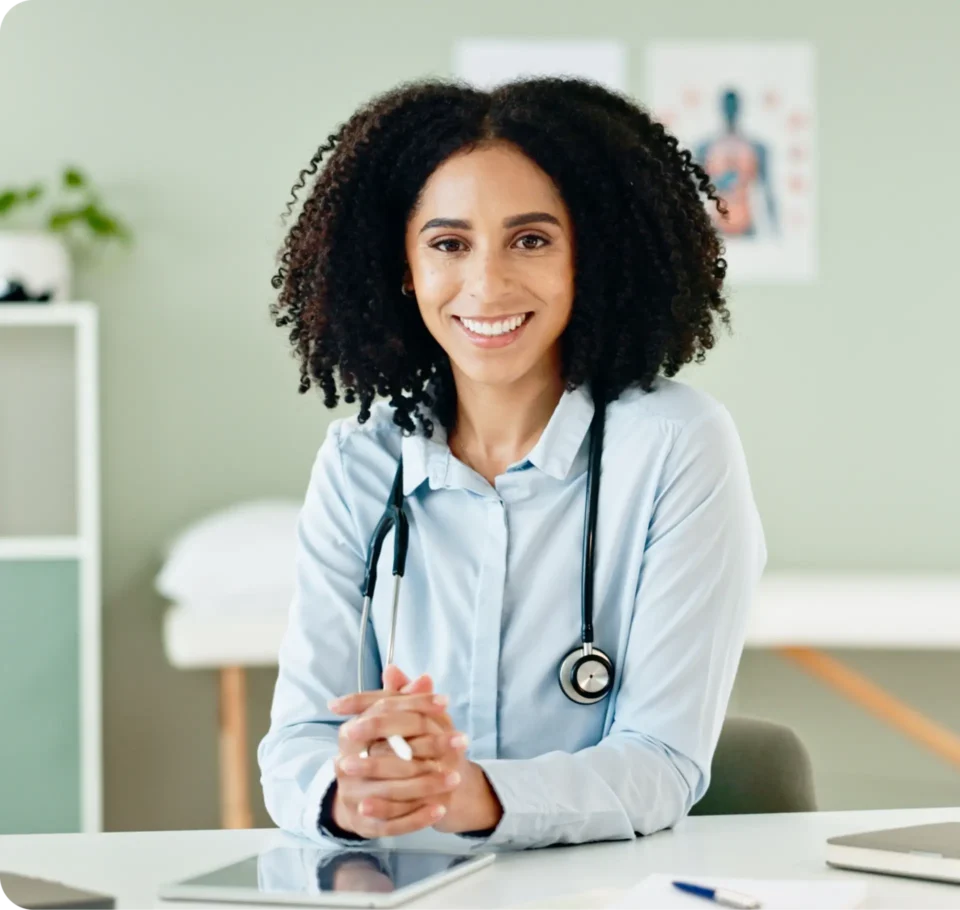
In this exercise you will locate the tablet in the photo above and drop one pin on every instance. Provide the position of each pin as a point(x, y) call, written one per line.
point(313, 877)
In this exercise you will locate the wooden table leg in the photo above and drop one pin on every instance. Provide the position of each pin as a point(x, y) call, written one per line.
point(881, 704)
point(235, 811)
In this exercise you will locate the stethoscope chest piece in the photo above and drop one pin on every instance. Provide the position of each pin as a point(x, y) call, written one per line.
point(586, 675)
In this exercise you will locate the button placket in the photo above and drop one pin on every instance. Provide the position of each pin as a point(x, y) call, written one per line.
point(488, 611)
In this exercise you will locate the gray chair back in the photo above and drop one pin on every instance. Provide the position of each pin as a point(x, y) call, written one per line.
point(758, 767)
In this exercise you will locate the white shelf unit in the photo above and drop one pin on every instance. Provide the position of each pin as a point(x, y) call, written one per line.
point(81, 543)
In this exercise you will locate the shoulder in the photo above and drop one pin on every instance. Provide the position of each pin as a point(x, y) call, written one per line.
point(375, 437)
point(361, 455)
point(670, 429)
point(670, 410)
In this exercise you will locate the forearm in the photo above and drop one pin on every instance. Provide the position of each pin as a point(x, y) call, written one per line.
point(626, 785)
point(296, 765)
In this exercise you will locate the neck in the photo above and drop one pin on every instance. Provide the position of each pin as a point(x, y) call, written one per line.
point(497, 425)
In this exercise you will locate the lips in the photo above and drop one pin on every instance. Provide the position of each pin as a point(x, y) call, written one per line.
point(494, 341)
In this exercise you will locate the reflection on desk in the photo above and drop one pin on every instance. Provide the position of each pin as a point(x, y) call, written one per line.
point(312, 870)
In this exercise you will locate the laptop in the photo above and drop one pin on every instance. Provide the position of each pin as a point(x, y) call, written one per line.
point(921, 851)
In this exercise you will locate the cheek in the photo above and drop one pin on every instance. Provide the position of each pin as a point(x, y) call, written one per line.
point(435, 287)
point(556, 290)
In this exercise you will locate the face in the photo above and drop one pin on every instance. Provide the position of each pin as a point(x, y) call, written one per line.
point(490, 254)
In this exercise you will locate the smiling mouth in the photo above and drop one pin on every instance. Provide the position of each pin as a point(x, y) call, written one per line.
point(494, 328)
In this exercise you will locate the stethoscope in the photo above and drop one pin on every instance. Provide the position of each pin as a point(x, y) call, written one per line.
point(586, 673)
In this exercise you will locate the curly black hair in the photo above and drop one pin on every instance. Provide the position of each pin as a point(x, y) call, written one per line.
point(648, 262)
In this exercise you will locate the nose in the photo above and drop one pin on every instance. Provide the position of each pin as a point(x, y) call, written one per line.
point(490, 277)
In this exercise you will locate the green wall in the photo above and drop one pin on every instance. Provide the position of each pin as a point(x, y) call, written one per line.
point(195, 117)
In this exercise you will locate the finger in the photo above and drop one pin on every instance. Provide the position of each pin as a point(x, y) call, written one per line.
point(425, 703)
point(385, 809)
point(422, 683)
point(437, 746)
point(358, 702)
point(394, 679)
point(369, 727)
point(423, 787)
point(382, 766)
point(355, 737)
point(424, 817)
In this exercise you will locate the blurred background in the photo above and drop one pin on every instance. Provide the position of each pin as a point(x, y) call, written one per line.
point(150, 421)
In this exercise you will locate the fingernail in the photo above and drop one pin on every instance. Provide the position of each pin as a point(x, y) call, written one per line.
point(363, 808)
point(334, 703)
point(452, 779)
point(441, 700)
point(458, 740)
point(439, 811)
point(350, 764)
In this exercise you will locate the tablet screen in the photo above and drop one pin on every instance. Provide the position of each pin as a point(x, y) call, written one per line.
point(306, 871)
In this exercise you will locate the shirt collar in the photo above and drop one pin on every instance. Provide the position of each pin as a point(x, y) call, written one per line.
point(555, 451)
point(562, 438)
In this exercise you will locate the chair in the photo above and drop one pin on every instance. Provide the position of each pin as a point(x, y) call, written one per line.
point(758, 767)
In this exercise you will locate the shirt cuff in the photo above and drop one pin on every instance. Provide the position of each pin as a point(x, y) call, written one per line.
point(522, 819)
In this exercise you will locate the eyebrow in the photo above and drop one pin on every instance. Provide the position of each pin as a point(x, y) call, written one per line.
point(511, 222)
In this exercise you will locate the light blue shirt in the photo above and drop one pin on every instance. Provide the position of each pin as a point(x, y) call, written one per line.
point(490, 605)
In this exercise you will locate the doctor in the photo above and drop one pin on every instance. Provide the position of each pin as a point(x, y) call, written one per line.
point(505, 269)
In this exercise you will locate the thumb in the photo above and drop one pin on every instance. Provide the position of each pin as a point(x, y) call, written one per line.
point(419, 686)
point(394, 679)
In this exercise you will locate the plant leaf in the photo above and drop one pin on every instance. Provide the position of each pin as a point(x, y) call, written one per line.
point(60, 220)
point(73, 177)
point(99, 222)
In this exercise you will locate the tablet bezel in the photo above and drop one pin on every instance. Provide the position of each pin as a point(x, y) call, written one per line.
point(185, 890)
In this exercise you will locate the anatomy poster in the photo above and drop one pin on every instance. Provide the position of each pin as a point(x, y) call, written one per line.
point(746, 111)
point(487, 62)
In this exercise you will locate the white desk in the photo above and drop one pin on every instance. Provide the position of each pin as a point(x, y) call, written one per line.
point(131, 866)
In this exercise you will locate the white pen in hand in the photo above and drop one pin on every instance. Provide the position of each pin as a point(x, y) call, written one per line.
point(401, 748)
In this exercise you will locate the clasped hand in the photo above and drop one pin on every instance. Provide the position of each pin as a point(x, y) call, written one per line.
point(378, 793)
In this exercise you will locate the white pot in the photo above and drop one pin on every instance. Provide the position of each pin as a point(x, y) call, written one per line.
point(38, 260)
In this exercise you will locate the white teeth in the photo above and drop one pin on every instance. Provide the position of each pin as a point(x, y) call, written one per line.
point(494, 328)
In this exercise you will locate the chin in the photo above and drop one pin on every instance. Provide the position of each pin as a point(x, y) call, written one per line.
point(493, 374)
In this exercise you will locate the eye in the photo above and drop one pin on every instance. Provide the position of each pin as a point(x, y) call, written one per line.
point(542, 241)
point(440, 245)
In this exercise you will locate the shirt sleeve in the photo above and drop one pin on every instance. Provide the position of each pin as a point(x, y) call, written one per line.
point(704, 555)
point(318, 654)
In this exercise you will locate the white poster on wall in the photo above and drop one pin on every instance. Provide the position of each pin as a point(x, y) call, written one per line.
point(746, 111)
point(9, 4)
point(488, 62)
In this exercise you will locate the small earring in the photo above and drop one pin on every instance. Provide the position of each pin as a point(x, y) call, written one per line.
point(405, 292)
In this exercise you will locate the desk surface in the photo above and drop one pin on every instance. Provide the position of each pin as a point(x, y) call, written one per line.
point(131, 866)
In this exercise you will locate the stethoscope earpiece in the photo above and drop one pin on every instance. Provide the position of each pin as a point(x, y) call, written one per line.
point(586, 676)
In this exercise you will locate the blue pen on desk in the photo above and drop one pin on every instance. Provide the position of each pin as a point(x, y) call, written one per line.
point(720, 896)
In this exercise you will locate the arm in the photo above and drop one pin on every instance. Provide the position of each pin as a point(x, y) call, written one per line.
point(319, 651)
point(704, 555)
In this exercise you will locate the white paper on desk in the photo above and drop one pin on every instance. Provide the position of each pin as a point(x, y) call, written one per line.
point(774, 894)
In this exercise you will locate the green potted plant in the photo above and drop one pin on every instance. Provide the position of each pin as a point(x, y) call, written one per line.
point(35, 263)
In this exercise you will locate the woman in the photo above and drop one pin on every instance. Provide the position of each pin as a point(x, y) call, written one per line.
point(501, 267)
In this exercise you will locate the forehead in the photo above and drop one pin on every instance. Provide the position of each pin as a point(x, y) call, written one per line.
point(493, 176)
